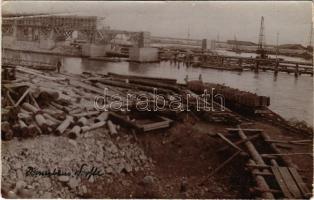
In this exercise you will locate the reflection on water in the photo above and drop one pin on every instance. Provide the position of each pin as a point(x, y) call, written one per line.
point(290, 96)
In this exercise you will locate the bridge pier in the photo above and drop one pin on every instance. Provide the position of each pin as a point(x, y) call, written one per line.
point(142, 52)
point(47, 42)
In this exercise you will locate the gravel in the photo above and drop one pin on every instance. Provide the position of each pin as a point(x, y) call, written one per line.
point(111, 157)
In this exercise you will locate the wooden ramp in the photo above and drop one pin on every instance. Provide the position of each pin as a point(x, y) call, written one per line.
point(290, 182)
point(274, 176)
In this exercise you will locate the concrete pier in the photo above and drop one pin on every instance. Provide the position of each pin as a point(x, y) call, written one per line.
point(142, 52)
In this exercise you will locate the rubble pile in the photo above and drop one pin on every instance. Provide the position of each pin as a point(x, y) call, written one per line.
point(111, 157)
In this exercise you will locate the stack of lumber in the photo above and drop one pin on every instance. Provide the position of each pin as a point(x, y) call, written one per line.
point(8, 73)
point(64, 103)
point(231, 95)
point(38, 102)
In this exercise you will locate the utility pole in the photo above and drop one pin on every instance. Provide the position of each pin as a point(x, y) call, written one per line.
point(235, 43)
point(310, 47)
point(277, 47)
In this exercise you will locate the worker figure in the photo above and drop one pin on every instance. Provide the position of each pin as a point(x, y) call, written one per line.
point(200, 77)
point(59, 64)
point(186, 79)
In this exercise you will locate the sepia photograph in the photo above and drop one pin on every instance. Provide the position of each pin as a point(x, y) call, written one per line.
point(157, 99)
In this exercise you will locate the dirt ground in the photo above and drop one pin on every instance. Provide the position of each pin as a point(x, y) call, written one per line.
point(183, 157)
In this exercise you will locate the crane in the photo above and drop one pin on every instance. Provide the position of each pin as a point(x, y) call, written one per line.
point(261, 51)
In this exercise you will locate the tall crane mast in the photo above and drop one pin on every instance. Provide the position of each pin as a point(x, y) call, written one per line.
point(261, 51)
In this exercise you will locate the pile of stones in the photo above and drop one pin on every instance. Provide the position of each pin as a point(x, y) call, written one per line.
point(24, 160)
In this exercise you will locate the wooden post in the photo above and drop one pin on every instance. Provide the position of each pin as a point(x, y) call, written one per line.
point(112, 128)
point(49, 117)
point(64, 125)
point(240, 63)
point(276, 68)
point(23, 128)
point(38, 129)
point(30, 107)
point(42, 122)
point(256, 66)
point(82, 121)
point(296, 73)
point(93, 126)
point(25, 116)
point(102, 117)
point(261, 182)
point(22, 97)
point(75, 132)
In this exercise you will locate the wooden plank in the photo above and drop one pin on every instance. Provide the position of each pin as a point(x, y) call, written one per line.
point(86, 114)
point(239, 142)
point(163, 80)
point(10, 98)
point(284, 142)
point(302, 186)
point(269, 190)
point(258, 166)
point(86, 87)
point(286, 154)
point(291, 184)
point(34, 100)
point(22, 97)
point(263, 173)
point(38, 73)
point(145, 128)
point(229, 142)
point(247, 129)
point(95, 89)
point(14, 85)
point(116, 118)
point(282, 184)
point(224, 163)
point(261, 182)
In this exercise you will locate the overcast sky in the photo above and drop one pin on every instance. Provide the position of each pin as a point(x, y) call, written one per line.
point(204, 19)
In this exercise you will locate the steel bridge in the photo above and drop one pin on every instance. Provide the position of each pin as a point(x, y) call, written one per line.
point(32, 28)
point(59, 28)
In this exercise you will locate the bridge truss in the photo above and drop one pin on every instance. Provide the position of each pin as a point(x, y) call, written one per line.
point(34, 27)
